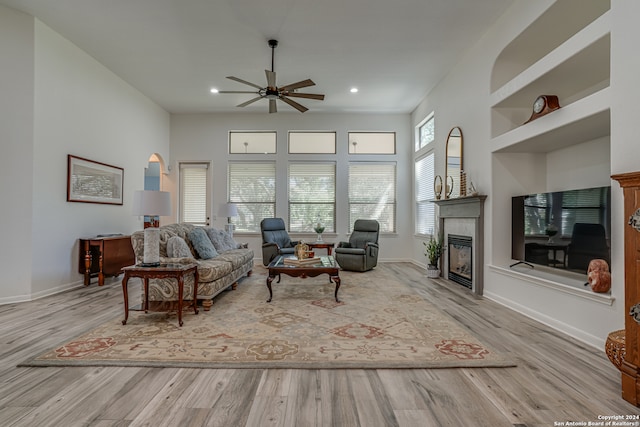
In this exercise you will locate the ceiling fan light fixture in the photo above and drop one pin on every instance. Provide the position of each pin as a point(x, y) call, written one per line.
point(272, 92)
point(214, 90)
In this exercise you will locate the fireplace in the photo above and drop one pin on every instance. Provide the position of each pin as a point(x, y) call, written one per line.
point(460, 259)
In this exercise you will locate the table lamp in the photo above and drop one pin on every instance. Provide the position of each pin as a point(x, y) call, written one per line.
point(229, 210)
point(151, 203)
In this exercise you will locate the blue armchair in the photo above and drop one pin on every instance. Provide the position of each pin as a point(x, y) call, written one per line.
point(275, 239)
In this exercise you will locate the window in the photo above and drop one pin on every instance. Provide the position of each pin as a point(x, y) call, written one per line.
point(312, 142)
point(426, 132)
point(425, 210)
point(252, 142)
point(194, 193)
point(372, 194)
point(372, 143)
point(252, 187)
point(312, 196)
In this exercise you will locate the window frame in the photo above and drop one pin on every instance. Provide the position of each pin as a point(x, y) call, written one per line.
point(327, 220)
point(419, 143)
point(242, 222)
point(425, 199)
point(182, 215)
point(351, 202)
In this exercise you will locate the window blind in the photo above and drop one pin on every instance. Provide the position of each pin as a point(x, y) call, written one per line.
point(312, 196)
point(252, 187)
point(193, 193)
point(372, 194)
point(425, 209)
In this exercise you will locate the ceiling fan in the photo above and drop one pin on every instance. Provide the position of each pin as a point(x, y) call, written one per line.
point(272, 92)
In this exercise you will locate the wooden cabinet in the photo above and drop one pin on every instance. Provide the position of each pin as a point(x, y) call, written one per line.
point(104, 256)
point(630, 183)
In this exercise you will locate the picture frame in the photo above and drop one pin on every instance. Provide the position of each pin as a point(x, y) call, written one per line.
point(89, 181)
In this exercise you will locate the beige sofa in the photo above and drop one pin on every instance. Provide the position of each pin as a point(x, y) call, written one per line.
point(215, 274)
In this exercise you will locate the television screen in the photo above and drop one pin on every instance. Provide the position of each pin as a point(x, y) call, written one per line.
point(562, 229)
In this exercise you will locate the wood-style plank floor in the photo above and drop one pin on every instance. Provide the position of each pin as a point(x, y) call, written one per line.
point(557, 380)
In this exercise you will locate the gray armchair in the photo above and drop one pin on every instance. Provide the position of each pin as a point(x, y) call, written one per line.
point(361, 252)
point(275, 239)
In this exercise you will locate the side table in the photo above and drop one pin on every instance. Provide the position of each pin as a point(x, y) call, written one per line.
point(176, 271)
point(321, 245)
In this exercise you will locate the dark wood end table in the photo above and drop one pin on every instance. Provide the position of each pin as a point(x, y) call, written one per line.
point(278, 267)
point(163, 271)
point(322, 245)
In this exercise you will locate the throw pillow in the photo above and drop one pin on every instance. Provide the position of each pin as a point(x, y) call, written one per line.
point(202, 244)
point(178, 248)
point(229, 243)
point(217, 238)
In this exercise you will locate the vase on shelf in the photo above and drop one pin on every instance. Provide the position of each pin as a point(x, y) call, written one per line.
point(319, 229)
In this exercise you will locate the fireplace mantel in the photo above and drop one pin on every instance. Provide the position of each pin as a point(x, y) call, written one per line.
point(469, 207)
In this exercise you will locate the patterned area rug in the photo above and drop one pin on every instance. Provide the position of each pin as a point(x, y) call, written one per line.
point(379, 323)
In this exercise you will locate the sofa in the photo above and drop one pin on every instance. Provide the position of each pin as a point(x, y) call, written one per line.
point(230, 262)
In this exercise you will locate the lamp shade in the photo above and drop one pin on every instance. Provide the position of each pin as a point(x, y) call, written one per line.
point(151, 203)
point(228, 210)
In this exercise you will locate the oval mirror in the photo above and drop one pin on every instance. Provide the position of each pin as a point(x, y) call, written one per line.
point(454, 164)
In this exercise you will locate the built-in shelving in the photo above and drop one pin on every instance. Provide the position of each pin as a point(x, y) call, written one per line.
point(575, 70)
point(555, 55)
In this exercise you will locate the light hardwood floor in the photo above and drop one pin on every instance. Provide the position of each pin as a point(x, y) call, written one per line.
point(557, 378)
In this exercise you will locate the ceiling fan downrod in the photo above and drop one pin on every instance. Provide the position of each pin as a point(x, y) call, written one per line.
point(273, 44)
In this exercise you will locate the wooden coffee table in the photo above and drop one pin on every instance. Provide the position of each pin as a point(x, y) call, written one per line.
point(163, 271)
point(278, 267)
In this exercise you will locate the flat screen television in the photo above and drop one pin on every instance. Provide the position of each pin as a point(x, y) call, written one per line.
point(562, 229)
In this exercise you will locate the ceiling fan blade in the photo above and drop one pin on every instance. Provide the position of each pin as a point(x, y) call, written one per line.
point(244, 81)
point(272, 106)
point(306, 95)
point(236, 91)
point(294, 104)
point(271, 78)
point(292, 86)
point(244, 104)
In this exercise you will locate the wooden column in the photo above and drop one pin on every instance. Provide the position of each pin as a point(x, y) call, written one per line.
point(630, 183)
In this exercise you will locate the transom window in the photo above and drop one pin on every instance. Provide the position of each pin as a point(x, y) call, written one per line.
point(252, 142)
point(426, 132)
point(312, 142)
point(372, 143)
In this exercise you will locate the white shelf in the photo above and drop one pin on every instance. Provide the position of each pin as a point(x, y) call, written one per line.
point(561, 284)
point(584, 120)
point(584, 57)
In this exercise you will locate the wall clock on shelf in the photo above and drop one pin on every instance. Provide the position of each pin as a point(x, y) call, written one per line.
point(544, 104)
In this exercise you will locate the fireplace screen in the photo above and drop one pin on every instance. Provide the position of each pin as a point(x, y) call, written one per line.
point(460, 265)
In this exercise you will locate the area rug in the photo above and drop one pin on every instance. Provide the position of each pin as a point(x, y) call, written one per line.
point(379, 323)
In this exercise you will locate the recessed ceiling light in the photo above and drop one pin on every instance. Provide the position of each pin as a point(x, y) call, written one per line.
point(354, 90)
point(214, 90)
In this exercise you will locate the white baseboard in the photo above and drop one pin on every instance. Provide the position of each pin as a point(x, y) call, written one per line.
point(591, 340)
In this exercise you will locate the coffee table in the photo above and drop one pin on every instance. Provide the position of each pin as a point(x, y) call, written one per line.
point(278, 267)
point(176, 271)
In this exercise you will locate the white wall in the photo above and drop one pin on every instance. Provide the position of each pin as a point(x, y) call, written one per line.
point(205, 138)
point(16, 161)
point(463, 99)
point(77, 107)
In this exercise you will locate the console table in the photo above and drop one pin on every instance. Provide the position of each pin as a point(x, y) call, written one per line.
point(104, 256)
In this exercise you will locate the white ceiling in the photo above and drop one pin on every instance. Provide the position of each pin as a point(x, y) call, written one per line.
point(174, 51)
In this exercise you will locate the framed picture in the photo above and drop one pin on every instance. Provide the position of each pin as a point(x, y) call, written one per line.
point(93, 182)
